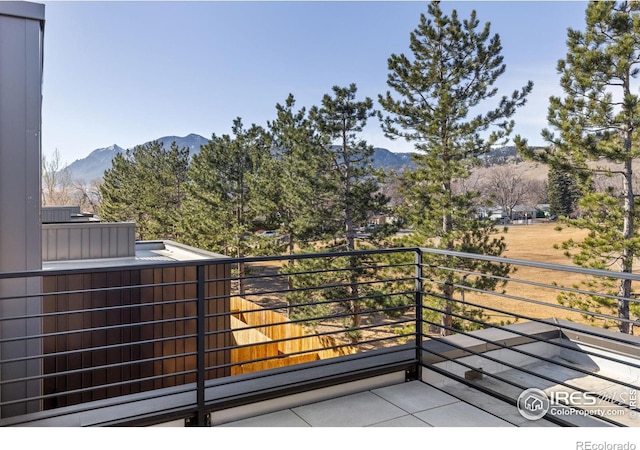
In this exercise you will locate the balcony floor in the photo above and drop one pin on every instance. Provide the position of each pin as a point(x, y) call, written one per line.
point(410, 404)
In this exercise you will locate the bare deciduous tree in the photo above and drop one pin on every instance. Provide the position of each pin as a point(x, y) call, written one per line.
point(56, 182)
point(506, 186)
point(87, 195)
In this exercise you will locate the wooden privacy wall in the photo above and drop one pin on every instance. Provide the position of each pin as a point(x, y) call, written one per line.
point(254, 331)
point(115, 327)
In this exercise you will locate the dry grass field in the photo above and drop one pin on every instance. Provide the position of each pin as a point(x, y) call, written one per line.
point(536, 243)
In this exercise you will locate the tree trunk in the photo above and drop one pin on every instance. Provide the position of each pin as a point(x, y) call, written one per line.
point(241, 274)
point(627, 254)
point(355, 303)
point(291, 261)
point(289, 277)
point(238, 228)
point(446, 320)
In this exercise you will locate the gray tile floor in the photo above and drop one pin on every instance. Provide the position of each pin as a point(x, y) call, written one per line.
point(412, 404)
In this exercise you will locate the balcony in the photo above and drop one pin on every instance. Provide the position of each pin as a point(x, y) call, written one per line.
point(395, 337)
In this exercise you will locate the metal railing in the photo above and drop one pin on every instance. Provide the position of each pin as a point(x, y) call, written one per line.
point(188, 338)
point(539, 325)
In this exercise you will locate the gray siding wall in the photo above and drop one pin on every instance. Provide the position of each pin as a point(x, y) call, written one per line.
point(68, 241)
point(20, 118)
point(58, 213)
point(21, 39)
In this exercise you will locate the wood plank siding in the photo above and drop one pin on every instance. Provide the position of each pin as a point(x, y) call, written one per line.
point(130, 328)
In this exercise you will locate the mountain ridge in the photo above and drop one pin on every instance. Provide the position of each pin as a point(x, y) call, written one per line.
point(96, 162)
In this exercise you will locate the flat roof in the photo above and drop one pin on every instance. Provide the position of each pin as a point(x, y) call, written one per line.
point(147, 252)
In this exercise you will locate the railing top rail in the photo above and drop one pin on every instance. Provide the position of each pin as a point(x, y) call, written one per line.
point(534, 264)
point(126, 265)
point(301, 256)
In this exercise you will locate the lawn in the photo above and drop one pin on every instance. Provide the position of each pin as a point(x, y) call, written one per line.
point(536, 243)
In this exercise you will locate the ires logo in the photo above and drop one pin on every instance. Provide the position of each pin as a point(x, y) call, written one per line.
point(534, 404)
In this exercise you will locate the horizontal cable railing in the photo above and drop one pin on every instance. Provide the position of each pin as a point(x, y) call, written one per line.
point(83, 337)
point(73, 339)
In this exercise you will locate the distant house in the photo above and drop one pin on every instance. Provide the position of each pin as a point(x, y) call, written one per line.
point(518, 213)
point(382, 219)
point(544, 209)
point(492, 213)
point(523, 212)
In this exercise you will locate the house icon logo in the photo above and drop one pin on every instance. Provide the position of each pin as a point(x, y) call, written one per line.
point(533, 404)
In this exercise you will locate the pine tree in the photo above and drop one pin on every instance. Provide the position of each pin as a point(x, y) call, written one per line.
point(348, 193)
point(340, 119)
point(440, 90)
point(597, 122)
point(146, 185)
point(218, 216)
point(564, 192)
point(291, 194)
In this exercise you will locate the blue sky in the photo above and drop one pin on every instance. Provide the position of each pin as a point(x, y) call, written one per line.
point(128, 72)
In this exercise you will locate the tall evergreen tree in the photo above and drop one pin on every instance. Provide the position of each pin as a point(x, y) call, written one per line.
point(291, 187)
point(564, 192)
point(340, 119)
point(438, 93)
point(218, 216)
point(348, 193)
point(597, 121)
point(118, 191)
point(146, 185)
point(356, 192)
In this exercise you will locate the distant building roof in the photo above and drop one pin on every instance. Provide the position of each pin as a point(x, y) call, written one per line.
point(75, 240)
point(65, 214)
point(146, 252)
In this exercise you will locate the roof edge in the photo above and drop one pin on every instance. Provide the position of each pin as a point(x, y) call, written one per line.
point(24, 10)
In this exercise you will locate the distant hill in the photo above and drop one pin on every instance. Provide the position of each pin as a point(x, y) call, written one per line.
point(99, 160)
point(93, 165)
point(390, 161)
point(502, 155)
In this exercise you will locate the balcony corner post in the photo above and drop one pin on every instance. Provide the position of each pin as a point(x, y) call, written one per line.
point(419, 318)
point(201, 414)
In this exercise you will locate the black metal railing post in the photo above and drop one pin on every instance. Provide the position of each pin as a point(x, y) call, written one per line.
point(200, 346)
point(419, 318)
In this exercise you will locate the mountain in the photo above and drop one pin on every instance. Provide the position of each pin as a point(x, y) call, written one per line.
point(193, 142)
point(390, 161)
point(94, 165)
point(99, 160)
